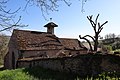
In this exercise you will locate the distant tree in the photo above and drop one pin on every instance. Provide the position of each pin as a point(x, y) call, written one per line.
point(3, 46)
point(97, 31)
point(110, 36)
point(118, 36)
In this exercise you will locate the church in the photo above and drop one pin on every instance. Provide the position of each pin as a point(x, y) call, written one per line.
point(25, 44)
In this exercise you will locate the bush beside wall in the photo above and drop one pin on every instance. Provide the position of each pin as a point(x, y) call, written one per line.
point(89, 64)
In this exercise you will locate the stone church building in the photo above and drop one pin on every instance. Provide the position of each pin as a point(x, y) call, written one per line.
point(26, 44)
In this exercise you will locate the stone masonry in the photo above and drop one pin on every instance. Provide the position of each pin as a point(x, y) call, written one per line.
point(83, 64)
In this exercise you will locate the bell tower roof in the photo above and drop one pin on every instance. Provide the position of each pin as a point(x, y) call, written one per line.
point(50, 27)
point(51, 24)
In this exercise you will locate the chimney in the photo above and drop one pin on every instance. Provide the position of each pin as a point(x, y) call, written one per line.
point(50, 27)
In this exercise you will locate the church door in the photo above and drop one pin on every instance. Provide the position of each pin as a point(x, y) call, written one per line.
point(13, 60)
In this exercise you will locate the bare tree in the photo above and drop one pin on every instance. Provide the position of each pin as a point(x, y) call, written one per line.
point(97, 27)
point(7, 17)
point(51, 5)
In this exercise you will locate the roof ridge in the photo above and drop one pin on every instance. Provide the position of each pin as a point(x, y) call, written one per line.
point(34, 32)
point(26, 30)
point(69, 38)
point(20, 30)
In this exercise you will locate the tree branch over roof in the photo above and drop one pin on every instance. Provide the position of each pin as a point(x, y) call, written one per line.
point(7, 17)
point(11, 26)
point(50, 5)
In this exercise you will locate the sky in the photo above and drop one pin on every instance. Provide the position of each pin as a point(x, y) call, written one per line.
point(71, 21)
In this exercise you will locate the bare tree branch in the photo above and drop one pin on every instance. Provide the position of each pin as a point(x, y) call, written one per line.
point(90, 37)
point(87, 41)
point(96, 31)
point(50, 5)
point(104, 23)
point(7, 17)
point(92, 22)
point(67, 3)
point(96, 19)
point(83, 3)
point(11, 26)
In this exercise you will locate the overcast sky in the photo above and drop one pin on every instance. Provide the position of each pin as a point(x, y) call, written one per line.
point(71, 21)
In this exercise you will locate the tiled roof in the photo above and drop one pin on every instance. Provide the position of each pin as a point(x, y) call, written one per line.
point(71, 43)
point(33, 40)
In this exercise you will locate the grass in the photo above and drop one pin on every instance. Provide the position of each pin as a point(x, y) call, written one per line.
point(37, 73)
point(17, 74)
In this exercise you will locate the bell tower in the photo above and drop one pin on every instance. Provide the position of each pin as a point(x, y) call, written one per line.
point(50, 27)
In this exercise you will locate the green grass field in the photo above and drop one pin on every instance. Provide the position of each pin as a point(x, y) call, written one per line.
point(34, 74)
point(38, 73)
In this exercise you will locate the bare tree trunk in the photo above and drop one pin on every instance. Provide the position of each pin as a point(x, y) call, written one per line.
point(96, 42)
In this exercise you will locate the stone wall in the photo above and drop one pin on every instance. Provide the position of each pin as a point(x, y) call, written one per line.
point(38, 53)
point(82, 64)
